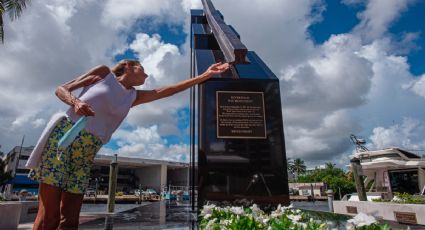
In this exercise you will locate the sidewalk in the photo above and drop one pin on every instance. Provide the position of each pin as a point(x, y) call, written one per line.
point(84, 217)
point(156, 215)
point(90, 212)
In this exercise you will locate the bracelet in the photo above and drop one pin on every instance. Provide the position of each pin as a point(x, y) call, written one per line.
point(73, 100)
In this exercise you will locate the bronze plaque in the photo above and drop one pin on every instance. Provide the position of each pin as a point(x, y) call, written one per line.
point(406, 217)
point(351, 209)
point(240, 114)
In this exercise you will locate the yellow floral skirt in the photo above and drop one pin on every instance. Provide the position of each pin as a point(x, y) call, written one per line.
point(71, 171)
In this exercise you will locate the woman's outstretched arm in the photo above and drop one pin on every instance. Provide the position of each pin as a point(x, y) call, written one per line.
point(144, 96)
point(63, 92)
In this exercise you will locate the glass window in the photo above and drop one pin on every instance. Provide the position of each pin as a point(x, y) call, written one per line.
point(404, 181)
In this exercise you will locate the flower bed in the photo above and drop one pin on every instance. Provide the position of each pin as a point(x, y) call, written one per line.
point(240, 218)
point(403, 198)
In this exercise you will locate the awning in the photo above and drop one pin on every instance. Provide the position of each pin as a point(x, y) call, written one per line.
point(22, 179)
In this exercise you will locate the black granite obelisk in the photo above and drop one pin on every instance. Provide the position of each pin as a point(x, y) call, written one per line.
point(240, 146)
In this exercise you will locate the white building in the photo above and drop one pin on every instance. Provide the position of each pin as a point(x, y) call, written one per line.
point(15, 161)
point(392, 170)
point(307, 189)
point(132, 173)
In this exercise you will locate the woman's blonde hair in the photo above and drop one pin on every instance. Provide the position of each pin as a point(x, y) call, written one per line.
point(119, 68)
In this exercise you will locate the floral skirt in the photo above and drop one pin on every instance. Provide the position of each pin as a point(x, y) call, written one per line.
point(71, 171)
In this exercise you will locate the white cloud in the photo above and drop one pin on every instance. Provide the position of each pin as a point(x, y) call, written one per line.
point(51, 43)
point(418, 86)
point(357, 82)
point(408, 135)
point(147, 143)
point(378, 16)
point(151, 51)
point(123, 14)
point(38, 122)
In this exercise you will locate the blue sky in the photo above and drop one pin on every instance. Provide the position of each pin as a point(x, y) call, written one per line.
point(341, 18)
point(349, 66)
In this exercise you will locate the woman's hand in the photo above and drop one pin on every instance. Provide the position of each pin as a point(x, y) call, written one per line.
point(217, 68)
point(83, 109)
point(144, 96)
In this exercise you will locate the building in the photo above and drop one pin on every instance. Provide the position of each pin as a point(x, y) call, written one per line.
point(15, 161)
point(133, 173)
point(392, 170)
point(307, 189)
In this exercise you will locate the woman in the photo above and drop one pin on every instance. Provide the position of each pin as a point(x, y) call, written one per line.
point(106, 98)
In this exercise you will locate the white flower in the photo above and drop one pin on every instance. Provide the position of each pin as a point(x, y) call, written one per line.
point(285, 209)
point(210, 224)
point(362, 219)
point(288, 207)
point(278, 207)
point(225, 222)
point(237, 210)
point(350, 226)
point(295, 218)
point(275, 215)
point(302, 225)
point(396, 199)
point(255, 209)
point(207, 209)
point(207, 216)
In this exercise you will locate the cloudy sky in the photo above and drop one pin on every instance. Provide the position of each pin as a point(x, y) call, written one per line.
point(345, 67)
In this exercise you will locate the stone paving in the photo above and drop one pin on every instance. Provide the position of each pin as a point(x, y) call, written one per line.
point(158, 215)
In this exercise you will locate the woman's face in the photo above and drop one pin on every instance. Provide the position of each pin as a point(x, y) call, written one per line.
point(138, 74)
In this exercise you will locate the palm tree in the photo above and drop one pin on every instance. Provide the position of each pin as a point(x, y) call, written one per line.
point(329, 165)
point(13, 8)
point(4, 176)
point(289, 164)
point(298, 167)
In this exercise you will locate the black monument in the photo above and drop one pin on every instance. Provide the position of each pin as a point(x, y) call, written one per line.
point(238, 148)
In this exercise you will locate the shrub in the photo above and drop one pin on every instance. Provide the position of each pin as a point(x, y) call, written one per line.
point(239, 218)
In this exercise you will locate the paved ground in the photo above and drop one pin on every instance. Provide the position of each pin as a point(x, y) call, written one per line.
point(156, 215)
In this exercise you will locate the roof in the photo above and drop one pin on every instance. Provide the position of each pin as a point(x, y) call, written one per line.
point(377, 153)
point(137, 162)
point(390, 158)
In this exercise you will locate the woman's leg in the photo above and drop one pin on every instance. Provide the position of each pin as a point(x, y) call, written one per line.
point(76, 179)
point(70, 210)
point(48, 215)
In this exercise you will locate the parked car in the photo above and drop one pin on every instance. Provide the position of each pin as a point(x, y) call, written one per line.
point(90, 192)
point(148, 191)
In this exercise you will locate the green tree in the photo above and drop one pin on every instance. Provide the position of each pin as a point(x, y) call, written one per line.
point(297, 167)
point(336, 179)
point(329, 165)
point(13, 8)
point(4, 176)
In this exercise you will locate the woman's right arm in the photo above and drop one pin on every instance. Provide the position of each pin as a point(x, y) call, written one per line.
point(63, 92)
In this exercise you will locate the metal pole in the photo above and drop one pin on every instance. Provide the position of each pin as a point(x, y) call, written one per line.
point(192, 125)
point(113, 171)
point(330, 194)
point(339, 191)
point(312, 192)
point(356, 169)
point(97, 187)
point(140, 193)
